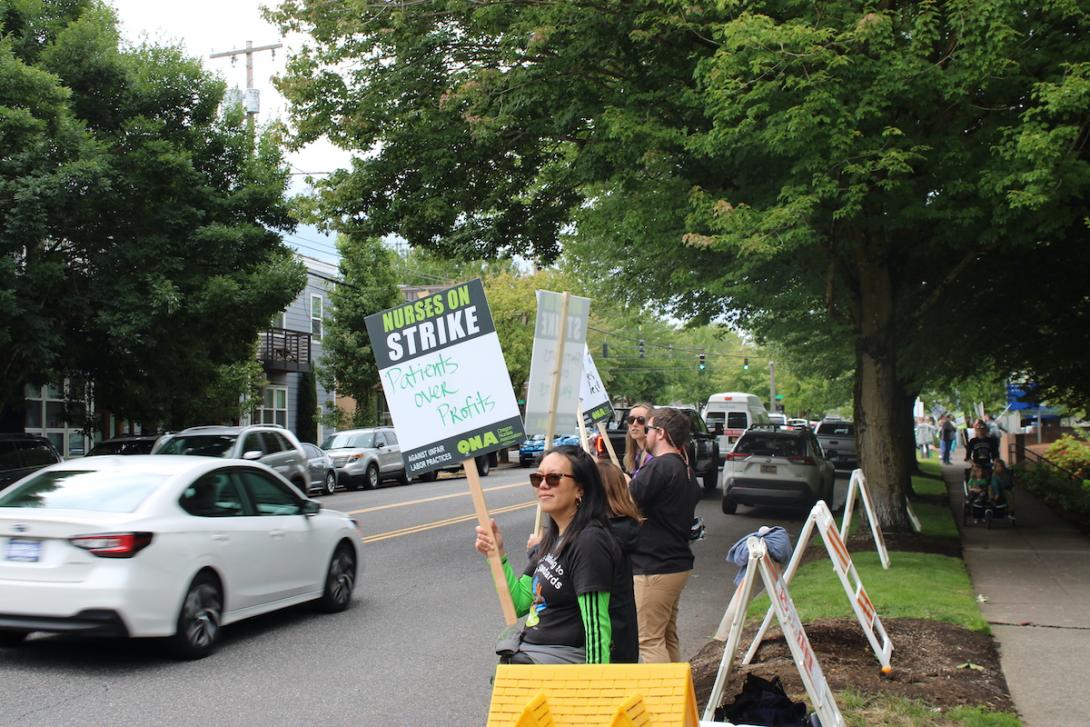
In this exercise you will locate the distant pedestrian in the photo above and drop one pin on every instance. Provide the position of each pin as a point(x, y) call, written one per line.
point(925, 437)
point(565, 590)
point(947, 436)
point(635, 441)
point(667, 493)
point(624, 521)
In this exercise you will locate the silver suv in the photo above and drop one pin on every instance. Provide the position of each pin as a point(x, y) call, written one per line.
point(366, 457)
point(774, 465)
point(268, 444)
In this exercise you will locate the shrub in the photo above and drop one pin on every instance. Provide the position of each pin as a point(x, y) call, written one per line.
point(1056, 489)
point(1072, 452)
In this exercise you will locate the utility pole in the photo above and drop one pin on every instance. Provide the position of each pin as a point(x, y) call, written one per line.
point(250, 103)
point(772, 386)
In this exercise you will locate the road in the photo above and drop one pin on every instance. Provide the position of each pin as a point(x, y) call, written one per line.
point(414, 648)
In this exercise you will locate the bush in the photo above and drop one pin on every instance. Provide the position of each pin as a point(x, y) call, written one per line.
point(1072, 452)
point(1056, 489)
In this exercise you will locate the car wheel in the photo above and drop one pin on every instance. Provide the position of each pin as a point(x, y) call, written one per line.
point(330, 485)
point(524, 463)
point(371, 479)
point(428, 476)
point(711, 476)
point(483, 466)
point(199, 620)
point(12, 638)
point(340, 580)
point(729, 506)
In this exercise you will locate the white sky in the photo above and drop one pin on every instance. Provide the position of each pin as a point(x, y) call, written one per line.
point(203, 27)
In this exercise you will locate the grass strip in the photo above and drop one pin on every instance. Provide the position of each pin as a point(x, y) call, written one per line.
point(919, 585)
point(862, 710)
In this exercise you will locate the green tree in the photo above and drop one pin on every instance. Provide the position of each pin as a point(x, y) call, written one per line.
point(858, 171)
point(139, 246)
point(368, 285)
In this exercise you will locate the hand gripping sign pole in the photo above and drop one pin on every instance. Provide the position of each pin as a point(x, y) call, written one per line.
point(858, 485)
point(821, 697)
point(822, 519)
point(449, 393)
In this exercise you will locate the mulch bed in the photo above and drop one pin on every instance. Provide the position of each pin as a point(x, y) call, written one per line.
point(932, 661)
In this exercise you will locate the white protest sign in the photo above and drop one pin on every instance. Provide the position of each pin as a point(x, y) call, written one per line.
point(806, 661)
point(445, 378)
point(592, 392)
point(857, 485)
point(543, 362)
point(821, 519)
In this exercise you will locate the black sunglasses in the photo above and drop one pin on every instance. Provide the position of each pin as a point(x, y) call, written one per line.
point(637, 420)
point(652, 426)
point(552, 479)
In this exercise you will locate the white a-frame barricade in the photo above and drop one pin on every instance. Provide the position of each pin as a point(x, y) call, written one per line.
point(849, 578)
point(762, 566)
point(858, 486)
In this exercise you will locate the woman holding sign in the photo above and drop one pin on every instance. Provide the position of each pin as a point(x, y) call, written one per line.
point(565, 589)
point(635, 441)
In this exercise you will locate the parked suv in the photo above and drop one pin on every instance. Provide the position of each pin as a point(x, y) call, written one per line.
point(22, 454)
point(268, 444)
point(366, 457)
point(128, 444)
point(774, 465)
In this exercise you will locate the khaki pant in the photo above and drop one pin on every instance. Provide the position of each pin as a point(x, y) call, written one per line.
point(657, 599)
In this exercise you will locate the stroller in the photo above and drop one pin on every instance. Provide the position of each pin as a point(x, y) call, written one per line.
point(987, 506)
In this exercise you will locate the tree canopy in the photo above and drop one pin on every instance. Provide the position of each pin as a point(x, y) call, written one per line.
point(139, 249)
point(862, 173)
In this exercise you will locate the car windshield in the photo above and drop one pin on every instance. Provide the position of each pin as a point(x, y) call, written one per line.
point(347, 440)
point(201, 445)
point(82, 490)
point(843, 429)
point(770, 445)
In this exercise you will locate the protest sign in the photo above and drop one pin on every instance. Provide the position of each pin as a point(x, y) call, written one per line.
point(592, 392)
point(445, 378)
point(556, 363)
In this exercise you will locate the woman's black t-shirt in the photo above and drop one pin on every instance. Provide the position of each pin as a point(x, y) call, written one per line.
point(586, 565)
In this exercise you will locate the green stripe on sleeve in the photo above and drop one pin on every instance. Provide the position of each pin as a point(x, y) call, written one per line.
point(594, 608)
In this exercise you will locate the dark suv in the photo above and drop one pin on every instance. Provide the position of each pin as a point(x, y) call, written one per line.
point(703, 447)
point(21, 454)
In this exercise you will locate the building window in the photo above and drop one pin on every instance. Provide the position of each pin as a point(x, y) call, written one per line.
point(316, 316)
point(46, 416)
point(274, 406)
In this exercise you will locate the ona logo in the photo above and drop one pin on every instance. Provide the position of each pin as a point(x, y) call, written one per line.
point(477, 441)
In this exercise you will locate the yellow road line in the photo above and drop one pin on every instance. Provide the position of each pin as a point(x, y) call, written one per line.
point(431, 499)
point(443, 523)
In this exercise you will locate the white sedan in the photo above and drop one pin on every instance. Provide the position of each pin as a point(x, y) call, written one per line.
point(165, 546)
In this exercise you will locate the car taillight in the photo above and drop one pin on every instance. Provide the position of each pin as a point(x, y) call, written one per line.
point(801, 460)
point(112, 545)
point(736, 456)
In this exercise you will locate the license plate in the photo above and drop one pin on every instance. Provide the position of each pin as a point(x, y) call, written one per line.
point(24, 551)
point(769, 469)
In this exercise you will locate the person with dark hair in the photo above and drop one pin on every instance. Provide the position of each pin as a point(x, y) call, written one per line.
point(948, 434)
point(982, 449)
point(667, 493)
point(565, 590)
point(624, 521)
point(635, 438)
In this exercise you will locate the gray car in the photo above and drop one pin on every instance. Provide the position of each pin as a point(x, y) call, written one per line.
point(268, 444)
point(322, 473)
point(366, 457)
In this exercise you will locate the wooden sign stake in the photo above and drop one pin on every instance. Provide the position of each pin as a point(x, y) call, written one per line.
point(485, 521)
point(550, 427)
point(583, 431)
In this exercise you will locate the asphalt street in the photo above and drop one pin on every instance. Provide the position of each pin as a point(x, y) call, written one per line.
point(415, 648)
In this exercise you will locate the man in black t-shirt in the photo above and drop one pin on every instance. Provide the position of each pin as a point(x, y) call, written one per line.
point(947, 433)
point(666, 493)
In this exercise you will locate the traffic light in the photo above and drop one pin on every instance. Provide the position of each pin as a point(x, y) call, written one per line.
point(700, 366)
point(745, 363)
point(605, 349)
point(641, 348)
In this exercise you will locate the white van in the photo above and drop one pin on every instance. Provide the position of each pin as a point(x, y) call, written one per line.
point(730, 413)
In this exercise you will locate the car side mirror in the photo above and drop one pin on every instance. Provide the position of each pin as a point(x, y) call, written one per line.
point(310, 508)
point(380, 445)
point(252, 455)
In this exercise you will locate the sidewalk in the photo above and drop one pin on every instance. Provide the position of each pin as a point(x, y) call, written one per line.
point(1034, 580)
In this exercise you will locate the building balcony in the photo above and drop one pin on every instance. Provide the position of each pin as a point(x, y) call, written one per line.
point(282, 350)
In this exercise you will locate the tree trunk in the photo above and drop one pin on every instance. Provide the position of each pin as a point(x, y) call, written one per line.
point(878, 396)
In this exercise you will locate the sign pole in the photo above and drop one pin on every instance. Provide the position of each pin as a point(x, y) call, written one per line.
point(609, 445)
point(494, 563)
point(583, 431)
point(550, 427)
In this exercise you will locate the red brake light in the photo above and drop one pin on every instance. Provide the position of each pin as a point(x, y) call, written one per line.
point(802, 460)
point(735, 456)
point(113, 545)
